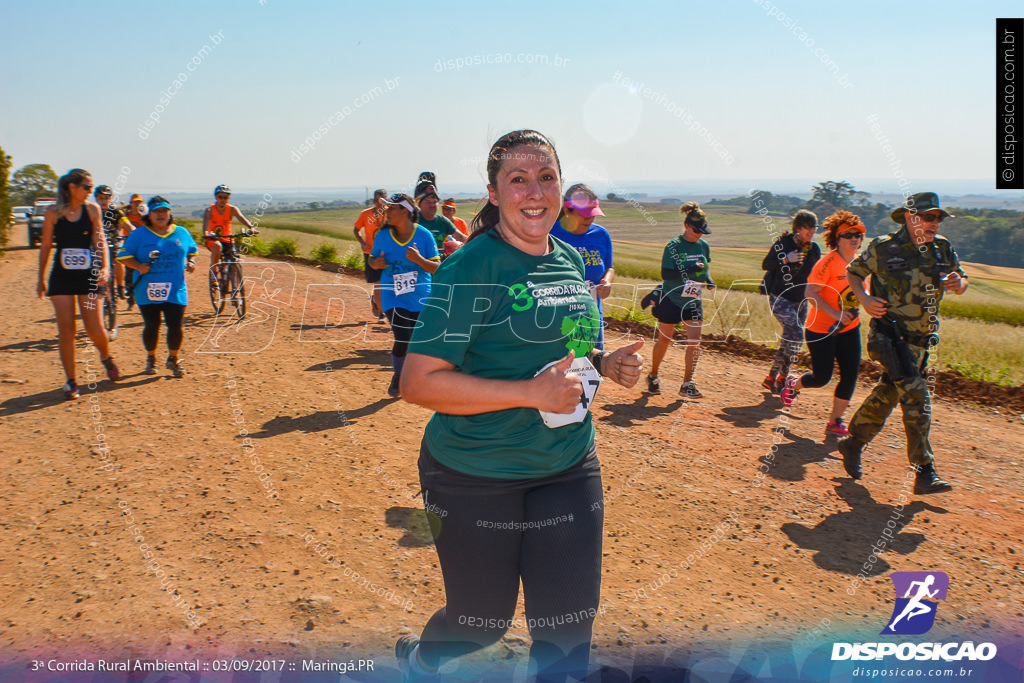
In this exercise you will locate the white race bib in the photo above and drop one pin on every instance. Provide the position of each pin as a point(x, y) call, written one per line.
point(592, 288)
point(591, 378)
point(692, 289)
point(405, 282)
point(158, 291)
point(76, 259)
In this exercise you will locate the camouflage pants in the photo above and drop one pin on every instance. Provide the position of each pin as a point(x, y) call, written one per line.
point(791, 317)
point(912, 395)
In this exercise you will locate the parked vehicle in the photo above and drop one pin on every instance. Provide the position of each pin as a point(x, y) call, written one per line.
point(35, 221)
point(21, 213)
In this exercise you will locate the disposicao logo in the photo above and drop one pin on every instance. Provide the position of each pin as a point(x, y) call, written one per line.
point(917, 596)
point(914, 612)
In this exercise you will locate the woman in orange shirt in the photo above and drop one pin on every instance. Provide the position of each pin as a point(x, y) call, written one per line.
point(833, 322)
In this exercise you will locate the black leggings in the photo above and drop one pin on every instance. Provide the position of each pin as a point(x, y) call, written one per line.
point(546, 533)
point(825, 350)
point(173, 315)
point(403, 322)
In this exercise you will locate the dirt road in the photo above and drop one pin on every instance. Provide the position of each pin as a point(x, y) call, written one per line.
point(145, 494)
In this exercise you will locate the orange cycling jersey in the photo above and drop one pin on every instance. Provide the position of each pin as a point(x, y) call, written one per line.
point(134, 218)
point(220, 223)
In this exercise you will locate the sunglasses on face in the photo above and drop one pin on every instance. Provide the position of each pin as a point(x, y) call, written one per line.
point(930, 217)
point(223, 196)
point(87, 188)
point(851, 235)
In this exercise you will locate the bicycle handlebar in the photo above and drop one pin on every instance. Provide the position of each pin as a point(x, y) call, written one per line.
point(216, 236)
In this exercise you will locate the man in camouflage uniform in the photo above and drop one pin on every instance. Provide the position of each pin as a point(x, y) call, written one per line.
point(910, 270)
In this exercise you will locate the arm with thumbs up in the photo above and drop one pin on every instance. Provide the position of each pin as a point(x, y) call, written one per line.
point(624, 365)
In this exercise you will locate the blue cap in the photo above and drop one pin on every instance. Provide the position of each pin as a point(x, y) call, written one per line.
point(159, 204)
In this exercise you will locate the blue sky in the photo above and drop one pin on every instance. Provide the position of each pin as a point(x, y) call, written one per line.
point(89, 75)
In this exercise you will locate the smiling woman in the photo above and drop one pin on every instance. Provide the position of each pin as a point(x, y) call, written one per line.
point(524, 194)
point(512, 444)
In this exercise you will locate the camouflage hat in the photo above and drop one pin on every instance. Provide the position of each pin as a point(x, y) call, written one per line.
point(919, 203)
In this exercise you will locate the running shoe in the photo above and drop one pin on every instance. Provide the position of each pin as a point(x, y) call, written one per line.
point(393, 390)
point(653, 385)
point(175, 366)
point(112, 372)
point(71, 390)
point(789, 392)
point(773, 384)
point(836, 428)
point(405, 651)
point(690, 390)
point(150, 366)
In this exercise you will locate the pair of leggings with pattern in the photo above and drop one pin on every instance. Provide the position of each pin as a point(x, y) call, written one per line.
point(791, 316)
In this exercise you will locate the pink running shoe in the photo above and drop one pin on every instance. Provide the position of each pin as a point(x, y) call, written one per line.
point(836, 428)
point(789, 392)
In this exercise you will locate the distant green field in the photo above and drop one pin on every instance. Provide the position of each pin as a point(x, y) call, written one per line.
point(738, 243)
point(730, 226)
point(981, 331)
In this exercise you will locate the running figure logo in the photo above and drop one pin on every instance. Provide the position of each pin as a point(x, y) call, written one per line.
point(914, 612)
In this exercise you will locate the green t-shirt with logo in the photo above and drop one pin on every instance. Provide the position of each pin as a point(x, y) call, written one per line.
point(681, 255)
point(440, 227)
point(505, 314)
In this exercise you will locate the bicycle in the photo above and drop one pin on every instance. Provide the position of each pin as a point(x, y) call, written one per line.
point(108, 309)
point(108, 303)
point(226, 281)
point(129, 286)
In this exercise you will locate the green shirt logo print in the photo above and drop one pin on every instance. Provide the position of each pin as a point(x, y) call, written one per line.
point(582, 334)
point(519, 293)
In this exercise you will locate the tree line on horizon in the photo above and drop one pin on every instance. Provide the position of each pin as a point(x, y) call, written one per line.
point(993, 237)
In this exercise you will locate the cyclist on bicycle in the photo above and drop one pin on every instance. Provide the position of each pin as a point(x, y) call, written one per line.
point(217, 223)
point(114, 221)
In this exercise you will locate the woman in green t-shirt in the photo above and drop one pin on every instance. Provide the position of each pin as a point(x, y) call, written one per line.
point(505, 354)
point(685, 271)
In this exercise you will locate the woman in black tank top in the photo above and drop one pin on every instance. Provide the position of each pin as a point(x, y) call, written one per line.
point(73, 229)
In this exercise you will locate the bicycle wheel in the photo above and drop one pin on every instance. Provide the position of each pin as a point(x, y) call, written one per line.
point(129, 285)
point(237, 288)
point(110, 312)
point(216, 298)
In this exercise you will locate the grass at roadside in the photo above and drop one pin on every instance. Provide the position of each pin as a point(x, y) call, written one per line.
point(993, 352)
point(981, 333)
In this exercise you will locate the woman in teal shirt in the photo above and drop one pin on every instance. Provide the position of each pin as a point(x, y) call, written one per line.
point(505, 354)
point(685, 267)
